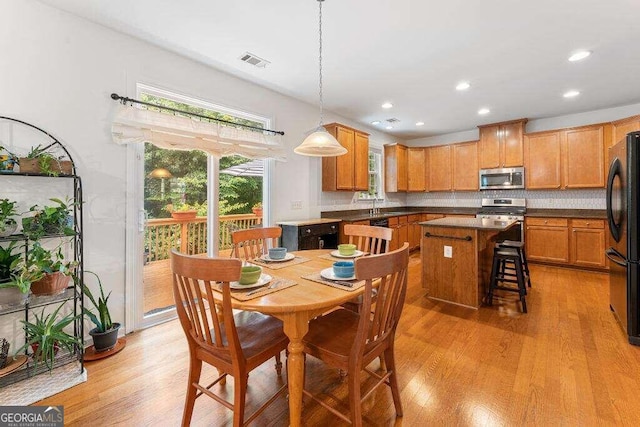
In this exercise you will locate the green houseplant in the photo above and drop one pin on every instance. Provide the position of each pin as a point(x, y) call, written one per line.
point(46, 336)
point(15, 277)
point(41, 161)
point(49, 220)
point(105, 334)
point(55, 271)
point(7, 223)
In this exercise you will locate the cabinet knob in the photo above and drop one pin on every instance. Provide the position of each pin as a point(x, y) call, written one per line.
point(546, 222)
point(587, 224)
point(308, 230)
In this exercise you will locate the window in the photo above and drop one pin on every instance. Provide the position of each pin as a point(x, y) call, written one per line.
point(376, 190)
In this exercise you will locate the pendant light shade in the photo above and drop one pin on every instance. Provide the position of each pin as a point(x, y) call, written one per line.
point(320, 143)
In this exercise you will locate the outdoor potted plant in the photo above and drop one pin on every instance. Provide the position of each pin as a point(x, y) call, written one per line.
point(49, 220)
point(46, 336)
point(181, 211)
point(105, 334)
point(55, 272)
point(7, 223)
point(40, 161)
point(257, 209)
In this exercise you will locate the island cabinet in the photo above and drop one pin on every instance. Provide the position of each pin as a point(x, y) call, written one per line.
point(349, 172)
point(500, 145)
point(465, 166)
point(416, 169)
point(439, 168)
point(567, 158)
point(395, 168)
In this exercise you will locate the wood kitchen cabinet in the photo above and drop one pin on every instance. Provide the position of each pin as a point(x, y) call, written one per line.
point(619, 131)
point(465, 166)
point(547, 239)
point(416, 169)
point(395, 168)
point(414, 231)
point(542, 160)
point(349, 172)
point(500, 145)
point(400, 227)
point(588, 243)
point(439, 168)
point(566, 158)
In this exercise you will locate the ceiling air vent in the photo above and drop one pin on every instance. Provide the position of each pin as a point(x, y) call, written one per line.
point(392, 120)
point(250, 58)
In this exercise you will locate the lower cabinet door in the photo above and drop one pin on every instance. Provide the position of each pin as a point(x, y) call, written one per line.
point(549, 244)
point(587, 247)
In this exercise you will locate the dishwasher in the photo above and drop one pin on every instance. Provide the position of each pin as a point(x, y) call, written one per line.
point(381, 222)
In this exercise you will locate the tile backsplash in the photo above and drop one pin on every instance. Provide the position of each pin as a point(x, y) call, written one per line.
point(558, 199)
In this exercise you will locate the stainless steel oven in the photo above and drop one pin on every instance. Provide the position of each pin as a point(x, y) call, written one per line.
point(500, 179)
point(504, 209)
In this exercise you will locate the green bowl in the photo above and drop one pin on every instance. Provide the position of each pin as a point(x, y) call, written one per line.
point(347, 249)
point(250, 275)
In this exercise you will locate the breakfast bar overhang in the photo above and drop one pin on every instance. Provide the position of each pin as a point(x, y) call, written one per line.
point(456, 258)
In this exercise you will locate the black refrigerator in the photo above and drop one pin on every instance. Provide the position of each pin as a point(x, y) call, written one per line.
point(623, 199)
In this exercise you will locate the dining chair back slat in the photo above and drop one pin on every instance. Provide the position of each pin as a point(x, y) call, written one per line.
point(252, 243)
point(367, 238)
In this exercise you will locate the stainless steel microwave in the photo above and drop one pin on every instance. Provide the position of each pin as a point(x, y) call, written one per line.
point(501, 179)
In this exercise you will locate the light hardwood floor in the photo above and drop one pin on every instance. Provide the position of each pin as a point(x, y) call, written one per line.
point(566, 362)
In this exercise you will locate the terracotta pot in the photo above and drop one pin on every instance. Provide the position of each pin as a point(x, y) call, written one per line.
point(103, 341)
point(63, 167)
point(183, 215)
point(257, 211)
point(51, 284)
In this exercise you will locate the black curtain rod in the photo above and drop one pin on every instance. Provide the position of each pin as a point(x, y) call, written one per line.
point(124, 100)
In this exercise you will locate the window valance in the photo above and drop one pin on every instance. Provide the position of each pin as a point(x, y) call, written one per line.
point(138, 125)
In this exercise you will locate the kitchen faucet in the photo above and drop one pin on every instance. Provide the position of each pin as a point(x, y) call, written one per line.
point(374, 210)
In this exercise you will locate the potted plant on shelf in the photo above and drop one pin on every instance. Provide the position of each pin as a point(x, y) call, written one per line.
point(7, 223)
point(46, 336)
point(105, 334)
point(257, 209)
point(7, 160)
point(49, 220)
point(40, 161)
point(181, 211)
point(15, 280)
point(55, 272)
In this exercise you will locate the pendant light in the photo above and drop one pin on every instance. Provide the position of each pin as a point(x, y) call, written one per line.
point(320, 143)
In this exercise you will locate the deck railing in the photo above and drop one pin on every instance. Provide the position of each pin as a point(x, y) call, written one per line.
point(190, 235)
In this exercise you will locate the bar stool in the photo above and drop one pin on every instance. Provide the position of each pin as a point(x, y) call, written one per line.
point(519, 246)
point(507, 255)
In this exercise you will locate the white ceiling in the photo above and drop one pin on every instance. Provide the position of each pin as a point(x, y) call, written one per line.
point(409, 52)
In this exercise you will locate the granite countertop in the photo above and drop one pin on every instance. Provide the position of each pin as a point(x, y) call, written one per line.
point(359, 215)
point(568, 213)
point(303, 222)
point(470, 223)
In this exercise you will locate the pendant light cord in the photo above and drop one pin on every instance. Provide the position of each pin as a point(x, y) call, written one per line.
point(320, 61)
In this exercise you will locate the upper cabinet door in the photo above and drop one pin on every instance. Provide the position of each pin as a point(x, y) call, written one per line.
point(403, 179)
point(489, 147)
point(584, 157)
point(465, 166)
point(511, 135)
point(344, 163)
point(440, 176)
point(361, 161)
point(416, 180)
point(542, 160)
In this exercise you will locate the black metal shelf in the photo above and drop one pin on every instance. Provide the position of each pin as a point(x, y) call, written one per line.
point(72, 293)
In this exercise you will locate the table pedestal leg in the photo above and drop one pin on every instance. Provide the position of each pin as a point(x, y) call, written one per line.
point(295, 328)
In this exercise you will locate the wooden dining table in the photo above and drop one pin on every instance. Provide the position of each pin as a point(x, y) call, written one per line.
point(296, 306)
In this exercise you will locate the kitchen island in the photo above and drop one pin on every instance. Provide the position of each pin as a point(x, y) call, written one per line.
point(456, 258)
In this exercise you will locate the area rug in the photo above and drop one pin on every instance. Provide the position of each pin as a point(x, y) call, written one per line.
point(42, 386)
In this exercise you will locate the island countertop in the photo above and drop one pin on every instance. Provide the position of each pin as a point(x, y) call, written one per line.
point(469, 223)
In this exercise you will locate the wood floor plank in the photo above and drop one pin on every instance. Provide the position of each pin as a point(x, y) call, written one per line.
point(566, 362)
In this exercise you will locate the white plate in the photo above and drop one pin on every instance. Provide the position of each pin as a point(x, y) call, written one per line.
point(287, 257)
point(356, 254)
point(263, 280)
point(328, 273)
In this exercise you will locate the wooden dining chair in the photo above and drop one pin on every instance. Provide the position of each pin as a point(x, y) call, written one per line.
point(350, 341)
point(234, 344)
point(367, 238)
point(251, 243)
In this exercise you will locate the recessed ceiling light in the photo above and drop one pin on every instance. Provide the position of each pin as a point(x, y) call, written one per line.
point(571, 94)
point(375, 122)
point(578, 55)
point(463, 86)
point(420, 124)
point(483, 111)
point(389, 127)
point(387, 105)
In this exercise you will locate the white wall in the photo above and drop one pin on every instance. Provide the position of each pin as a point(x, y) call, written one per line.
point(58, 72)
